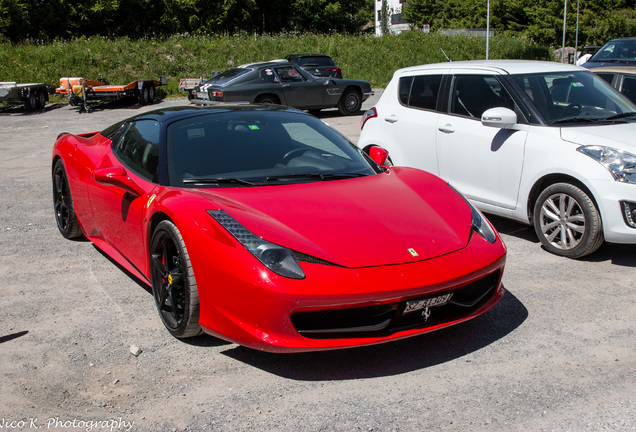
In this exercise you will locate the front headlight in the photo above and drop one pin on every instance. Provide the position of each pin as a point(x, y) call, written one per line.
point(278, 259)
point(620, 164)
point(478, 222)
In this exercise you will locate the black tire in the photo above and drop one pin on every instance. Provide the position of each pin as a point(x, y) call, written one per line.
point(350, 102)
point(268, 99)
point(151, 93)
point(63, 204)
point(31, 102)
point(173, 284)
point(41, 100)
point(143, 95)
point(567, 221)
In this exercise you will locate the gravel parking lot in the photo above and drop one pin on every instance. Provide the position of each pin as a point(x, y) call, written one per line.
point(558, 353)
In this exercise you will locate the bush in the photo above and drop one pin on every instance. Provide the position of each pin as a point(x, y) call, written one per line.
point(123, 60)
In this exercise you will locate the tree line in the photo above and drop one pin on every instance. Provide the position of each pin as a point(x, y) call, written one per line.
point(51, 19)
point(538, 20)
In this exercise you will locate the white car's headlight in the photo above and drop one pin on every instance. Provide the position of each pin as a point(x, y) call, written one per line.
point(278, 259)
point(478, 222)
point(620, 164)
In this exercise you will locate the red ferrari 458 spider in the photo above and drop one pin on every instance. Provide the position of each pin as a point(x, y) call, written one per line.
point(263, 226)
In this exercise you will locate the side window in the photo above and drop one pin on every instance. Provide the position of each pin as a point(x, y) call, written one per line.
point(420, 91)
point(289, 74)
point(474, 94)
point(268, 76)
point(609, 77)
point(629, 87)
point(138, 148)
point(405, 89)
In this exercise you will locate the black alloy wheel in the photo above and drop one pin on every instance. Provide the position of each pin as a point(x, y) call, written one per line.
point(173, 284)
point(63, 204)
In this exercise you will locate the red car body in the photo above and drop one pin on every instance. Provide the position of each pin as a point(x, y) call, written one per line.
point(368, 247)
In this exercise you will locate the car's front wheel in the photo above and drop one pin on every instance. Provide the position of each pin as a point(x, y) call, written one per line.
point(350, 102)
point(567, 221)
point(63, 204)
point(173, 284)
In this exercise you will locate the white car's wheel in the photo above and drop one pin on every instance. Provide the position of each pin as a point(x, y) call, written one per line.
point(567, 221)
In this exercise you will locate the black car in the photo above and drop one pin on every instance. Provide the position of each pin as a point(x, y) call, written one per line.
point(614, 53)
point(320, 65)
point(283, 83)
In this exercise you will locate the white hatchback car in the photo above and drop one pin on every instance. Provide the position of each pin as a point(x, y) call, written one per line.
point(543, 143)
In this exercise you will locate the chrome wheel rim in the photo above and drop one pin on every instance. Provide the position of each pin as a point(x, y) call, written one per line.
point(562, 221)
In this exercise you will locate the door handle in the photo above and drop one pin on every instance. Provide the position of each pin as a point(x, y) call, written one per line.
point(391, 119)
point(446, 129)
point(286, 85)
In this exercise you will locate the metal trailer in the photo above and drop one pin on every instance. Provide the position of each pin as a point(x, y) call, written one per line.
point(33, 96)
point(79, 90)
point(189, 84)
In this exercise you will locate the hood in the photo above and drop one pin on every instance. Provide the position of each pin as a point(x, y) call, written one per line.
point(360, 222)
point(618, 136)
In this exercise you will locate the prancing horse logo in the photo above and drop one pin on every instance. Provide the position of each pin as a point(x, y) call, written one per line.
point(426, 313)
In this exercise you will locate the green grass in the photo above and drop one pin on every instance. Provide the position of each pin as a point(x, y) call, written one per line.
point(123, 60)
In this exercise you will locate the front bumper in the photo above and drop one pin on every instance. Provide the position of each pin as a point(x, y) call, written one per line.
point(253, 307)
point(609, 194)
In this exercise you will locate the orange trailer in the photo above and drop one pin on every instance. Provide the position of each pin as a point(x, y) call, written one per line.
point(79, 90)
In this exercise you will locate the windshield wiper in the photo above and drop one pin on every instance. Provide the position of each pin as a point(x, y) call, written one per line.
point(220, 180)
point(310, 176)
point(578, 120)
point(620, 116)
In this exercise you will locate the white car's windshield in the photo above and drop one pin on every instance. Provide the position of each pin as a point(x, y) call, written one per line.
point(571, 97)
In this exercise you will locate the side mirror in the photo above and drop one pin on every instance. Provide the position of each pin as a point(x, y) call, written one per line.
point(502, 118)
point(118, 177)
point(379, 155)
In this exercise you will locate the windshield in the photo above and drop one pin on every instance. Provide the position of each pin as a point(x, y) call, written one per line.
point(226, 76)
point(617, 51)
point(260, 147)
point(562, 97)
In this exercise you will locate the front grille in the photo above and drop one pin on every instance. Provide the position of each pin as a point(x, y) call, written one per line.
point(384, 320)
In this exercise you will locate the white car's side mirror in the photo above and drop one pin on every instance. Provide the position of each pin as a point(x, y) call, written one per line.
point(502, 118)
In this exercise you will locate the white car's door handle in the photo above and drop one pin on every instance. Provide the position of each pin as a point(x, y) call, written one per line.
point(391, 119)
point(446, 129)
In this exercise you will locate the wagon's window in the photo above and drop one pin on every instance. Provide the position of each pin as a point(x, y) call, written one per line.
point(138, 148)
point(629, 87)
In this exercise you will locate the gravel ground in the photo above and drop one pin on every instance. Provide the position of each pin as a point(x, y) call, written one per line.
point(556, 354)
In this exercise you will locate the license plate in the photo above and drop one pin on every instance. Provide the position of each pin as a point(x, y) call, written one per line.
point(203, 95)
point(415, 305)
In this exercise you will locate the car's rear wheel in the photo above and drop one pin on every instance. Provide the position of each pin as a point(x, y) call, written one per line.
point(350, 102)
point(567, 221)
point(173, 284)
point(268, 99)
point(63, 204)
